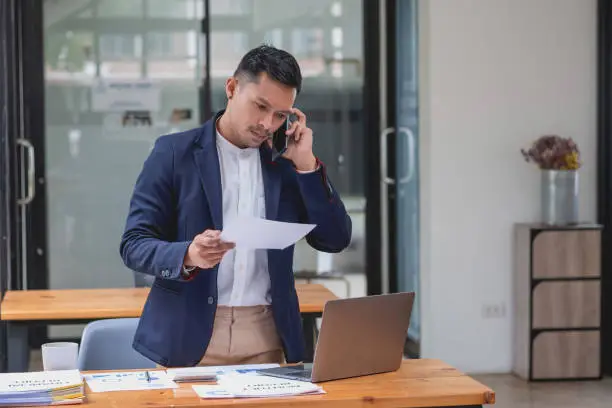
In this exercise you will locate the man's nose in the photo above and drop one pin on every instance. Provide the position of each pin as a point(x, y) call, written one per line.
point(267, 121)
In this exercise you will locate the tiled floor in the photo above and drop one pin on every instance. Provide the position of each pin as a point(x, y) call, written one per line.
point(511, 392)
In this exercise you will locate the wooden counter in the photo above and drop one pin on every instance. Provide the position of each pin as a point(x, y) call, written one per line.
point(84, 304)
point(418, 383)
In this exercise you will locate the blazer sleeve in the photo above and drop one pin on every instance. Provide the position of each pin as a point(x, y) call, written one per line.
point(324, 208)
point(146, 245)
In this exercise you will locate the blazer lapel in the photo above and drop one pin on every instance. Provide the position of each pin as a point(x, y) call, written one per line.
point(207, 160)
point(272, 182)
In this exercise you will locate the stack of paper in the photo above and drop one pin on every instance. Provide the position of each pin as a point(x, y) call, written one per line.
point(192, 374)
point(129, 381)
point(41, 388)
point(256, 386)
point(210, 373)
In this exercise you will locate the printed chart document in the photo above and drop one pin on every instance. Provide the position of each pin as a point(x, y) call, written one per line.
point(255, 386)
point(129, 381)
point(41, 388)
point(211, 373)
point(259, 233)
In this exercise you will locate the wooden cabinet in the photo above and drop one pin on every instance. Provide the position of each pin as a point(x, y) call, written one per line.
point(557, 302)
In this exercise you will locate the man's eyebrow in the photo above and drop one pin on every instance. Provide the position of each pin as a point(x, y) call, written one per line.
point(265, 102)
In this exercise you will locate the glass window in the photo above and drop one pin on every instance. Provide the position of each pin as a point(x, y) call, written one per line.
point(231, 7)
point(119, 8)
point(119, 46)
point(171, 44)
point(179, 9)
point(69, 54)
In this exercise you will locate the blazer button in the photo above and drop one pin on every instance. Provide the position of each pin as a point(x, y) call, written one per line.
point(211, 300)
point(165, 273)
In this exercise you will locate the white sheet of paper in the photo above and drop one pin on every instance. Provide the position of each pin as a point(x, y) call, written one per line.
point(253, 386)
point(129, 381)
point(259, 233)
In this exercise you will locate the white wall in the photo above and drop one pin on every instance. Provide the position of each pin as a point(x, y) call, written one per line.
point(496, 74)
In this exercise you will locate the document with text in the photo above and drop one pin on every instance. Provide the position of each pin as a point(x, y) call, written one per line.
point(129, 381)
point(259, 233)
point(255, 386)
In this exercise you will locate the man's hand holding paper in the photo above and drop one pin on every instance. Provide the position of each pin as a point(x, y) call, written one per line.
point(206, 250)
point(259, 233)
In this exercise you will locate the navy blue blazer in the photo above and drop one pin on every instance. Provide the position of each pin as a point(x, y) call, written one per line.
point(177, 196)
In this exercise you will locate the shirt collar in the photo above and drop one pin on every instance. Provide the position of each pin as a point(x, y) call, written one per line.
point(228, 147)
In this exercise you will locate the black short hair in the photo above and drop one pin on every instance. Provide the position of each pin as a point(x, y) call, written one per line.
point(276, 63)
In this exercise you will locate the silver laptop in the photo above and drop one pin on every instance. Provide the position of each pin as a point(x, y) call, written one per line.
point(358, 336)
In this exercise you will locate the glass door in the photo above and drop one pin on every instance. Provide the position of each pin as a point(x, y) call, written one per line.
point(399, 146)
point(21, 129)
point(105, 78)
point(326, 37)
point(406, 161)
point(117, 75)
point(10, 130)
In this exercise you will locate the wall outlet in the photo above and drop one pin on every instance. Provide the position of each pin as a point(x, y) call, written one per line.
point(494, 310)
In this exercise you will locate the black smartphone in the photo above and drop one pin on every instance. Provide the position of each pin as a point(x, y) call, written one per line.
point(280, 140)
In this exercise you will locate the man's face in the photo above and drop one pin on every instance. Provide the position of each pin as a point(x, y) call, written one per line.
point(257, 108)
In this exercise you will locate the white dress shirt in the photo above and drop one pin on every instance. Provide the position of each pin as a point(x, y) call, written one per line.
point(243, 278)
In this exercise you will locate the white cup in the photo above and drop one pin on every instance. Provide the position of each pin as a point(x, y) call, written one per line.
point(60, 356)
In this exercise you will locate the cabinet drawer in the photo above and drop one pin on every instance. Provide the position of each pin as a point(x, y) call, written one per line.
point(566, 304)
point(564, 254)
point(571, 354)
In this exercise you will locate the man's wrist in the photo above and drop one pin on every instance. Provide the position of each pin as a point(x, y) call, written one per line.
point(187, 268)
point(307, 165)
point(187, 272)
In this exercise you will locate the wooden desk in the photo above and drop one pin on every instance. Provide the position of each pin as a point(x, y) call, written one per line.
point(90, 304)
point(418, 383)
point(20, 309)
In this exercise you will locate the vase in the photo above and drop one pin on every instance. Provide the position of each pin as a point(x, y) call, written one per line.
point(559, 197)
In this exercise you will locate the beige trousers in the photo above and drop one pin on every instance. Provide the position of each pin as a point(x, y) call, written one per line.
point(244, 335)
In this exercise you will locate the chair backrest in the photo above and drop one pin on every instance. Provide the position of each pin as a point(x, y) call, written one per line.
point(107, 345)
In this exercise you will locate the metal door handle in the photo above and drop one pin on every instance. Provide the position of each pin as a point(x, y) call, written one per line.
point(409, 175)
point(30, 172)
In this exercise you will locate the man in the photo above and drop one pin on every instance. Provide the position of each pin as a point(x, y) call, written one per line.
point(212, 303)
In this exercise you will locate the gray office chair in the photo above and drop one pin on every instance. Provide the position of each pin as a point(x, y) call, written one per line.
point(107, 345)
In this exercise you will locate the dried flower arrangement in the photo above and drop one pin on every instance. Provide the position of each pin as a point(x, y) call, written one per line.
point(552, 152)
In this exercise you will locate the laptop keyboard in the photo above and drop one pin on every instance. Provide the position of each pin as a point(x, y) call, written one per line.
point(302, 373)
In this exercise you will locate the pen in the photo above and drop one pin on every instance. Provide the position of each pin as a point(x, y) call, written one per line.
point(148, 376)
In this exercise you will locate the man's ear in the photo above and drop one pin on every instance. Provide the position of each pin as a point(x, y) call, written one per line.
point(230, 87)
